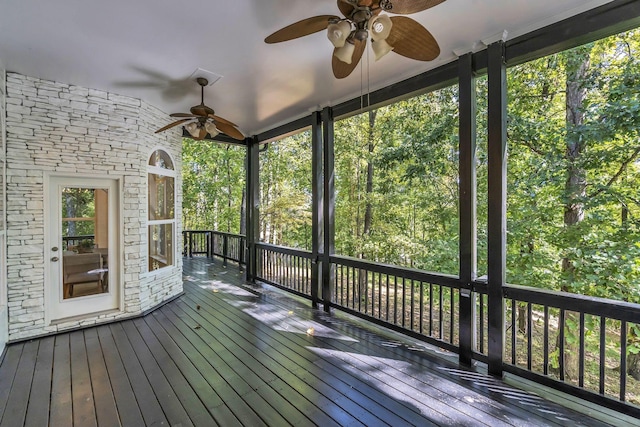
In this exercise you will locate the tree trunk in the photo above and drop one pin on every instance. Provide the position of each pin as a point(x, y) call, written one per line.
point(577, 68)
point(633, 360)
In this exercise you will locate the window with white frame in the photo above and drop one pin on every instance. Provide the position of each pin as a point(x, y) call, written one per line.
point(161, 219)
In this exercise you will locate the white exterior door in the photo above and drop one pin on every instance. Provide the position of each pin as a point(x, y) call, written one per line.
point(82, 247)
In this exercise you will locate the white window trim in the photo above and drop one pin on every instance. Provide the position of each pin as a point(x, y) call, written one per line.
point(169, 173)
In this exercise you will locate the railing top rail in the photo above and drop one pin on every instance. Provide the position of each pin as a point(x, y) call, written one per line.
point(223, 233)
point(608, 308)
point(285, 250)
point(215, 232)
point(394, 270)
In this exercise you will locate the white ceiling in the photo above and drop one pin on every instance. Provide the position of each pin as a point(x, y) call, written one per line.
point(148, 49)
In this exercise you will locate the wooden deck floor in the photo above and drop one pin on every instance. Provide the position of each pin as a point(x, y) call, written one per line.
point(226, 354)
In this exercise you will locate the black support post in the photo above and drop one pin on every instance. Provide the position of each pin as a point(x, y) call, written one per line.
point(317, 184)
point(467, 195)
point(328, 208)
point(497, 195)
point(253, 200)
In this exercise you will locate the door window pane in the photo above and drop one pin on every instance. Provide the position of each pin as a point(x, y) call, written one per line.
point(85, 236)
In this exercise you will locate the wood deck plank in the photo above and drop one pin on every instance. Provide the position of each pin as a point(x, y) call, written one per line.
point(207, 394)
point(126, 401)
point(61, 413)
point(190, 401)
point(275, 371)
point(103, 394)
point(171, 405)
point(355, 388)
point(147, 401)
point(39, 398)
point(84, 411)
point(8, 372)
point(202, 358)
point(16, 410)
point(335, 389)
point(234, 371)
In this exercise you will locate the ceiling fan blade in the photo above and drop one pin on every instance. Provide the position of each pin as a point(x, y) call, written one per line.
point(411, 39)
point(301, 29)
point(230, 130)
point(342, 69)
point(170, 125)
point(202, 134)
point(181, 115)
point(219, 119)
point(405, 7)
point(345, 8)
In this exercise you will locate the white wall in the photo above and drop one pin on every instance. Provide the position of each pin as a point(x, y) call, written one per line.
point(4, 328)
point(58, 128)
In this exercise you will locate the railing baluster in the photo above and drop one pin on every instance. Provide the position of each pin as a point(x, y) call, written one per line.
point(348, 286)
point(546, 340)
point(581, 352)
point(395, 300)
point(413, 321)
point(359, 285)
point(561, 339)
point(404, 301)
point(603, 347)
point(373, 292)
point(421, 320)
point(623, 360)
point(529, 336)
point(452, 313)
point(482, 323)
point(430, 309)
point(514, 327)
point(440, 313)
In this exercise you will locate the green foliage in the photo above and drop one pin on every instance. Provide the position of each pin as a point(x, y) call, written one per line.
point(213, 180)
point(285, 191)
point(598, 255)
point(78, 203)
point(412, 149)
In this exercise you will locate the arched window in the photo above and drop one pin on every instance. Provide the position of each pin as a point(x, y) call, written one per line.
point(161, 219)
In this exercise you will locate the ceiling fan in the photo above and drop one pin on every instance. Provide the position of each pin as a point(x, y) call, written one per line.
point(363, 20)
point(202, 120)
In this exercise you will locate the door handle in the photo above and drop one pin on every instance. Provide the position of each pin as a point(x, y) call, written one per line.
point(54, 259)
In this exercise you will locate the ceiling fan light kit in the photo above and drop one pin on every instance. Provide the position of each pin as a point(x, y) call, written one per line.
point(211, 128)
point(338, 32)
point(192, 128)
point(345, 53)
point(202, 120)
point(363, 20)
point(380, 48)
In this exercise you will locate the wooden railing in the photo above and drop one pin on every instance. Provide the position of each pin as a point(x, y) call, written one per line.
point(416, 302)
point(71, 241)
point(286, 268)
point(569, 342)
point(228, 246)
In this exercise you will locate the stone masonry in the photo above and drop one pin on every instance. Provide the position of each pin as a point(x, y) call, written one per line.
point(58, 128)
point(3, 284)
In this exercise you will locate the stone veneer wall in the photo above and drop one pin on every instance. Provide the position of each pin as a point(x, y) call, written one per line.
point(54, 127)
point(4, 329)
